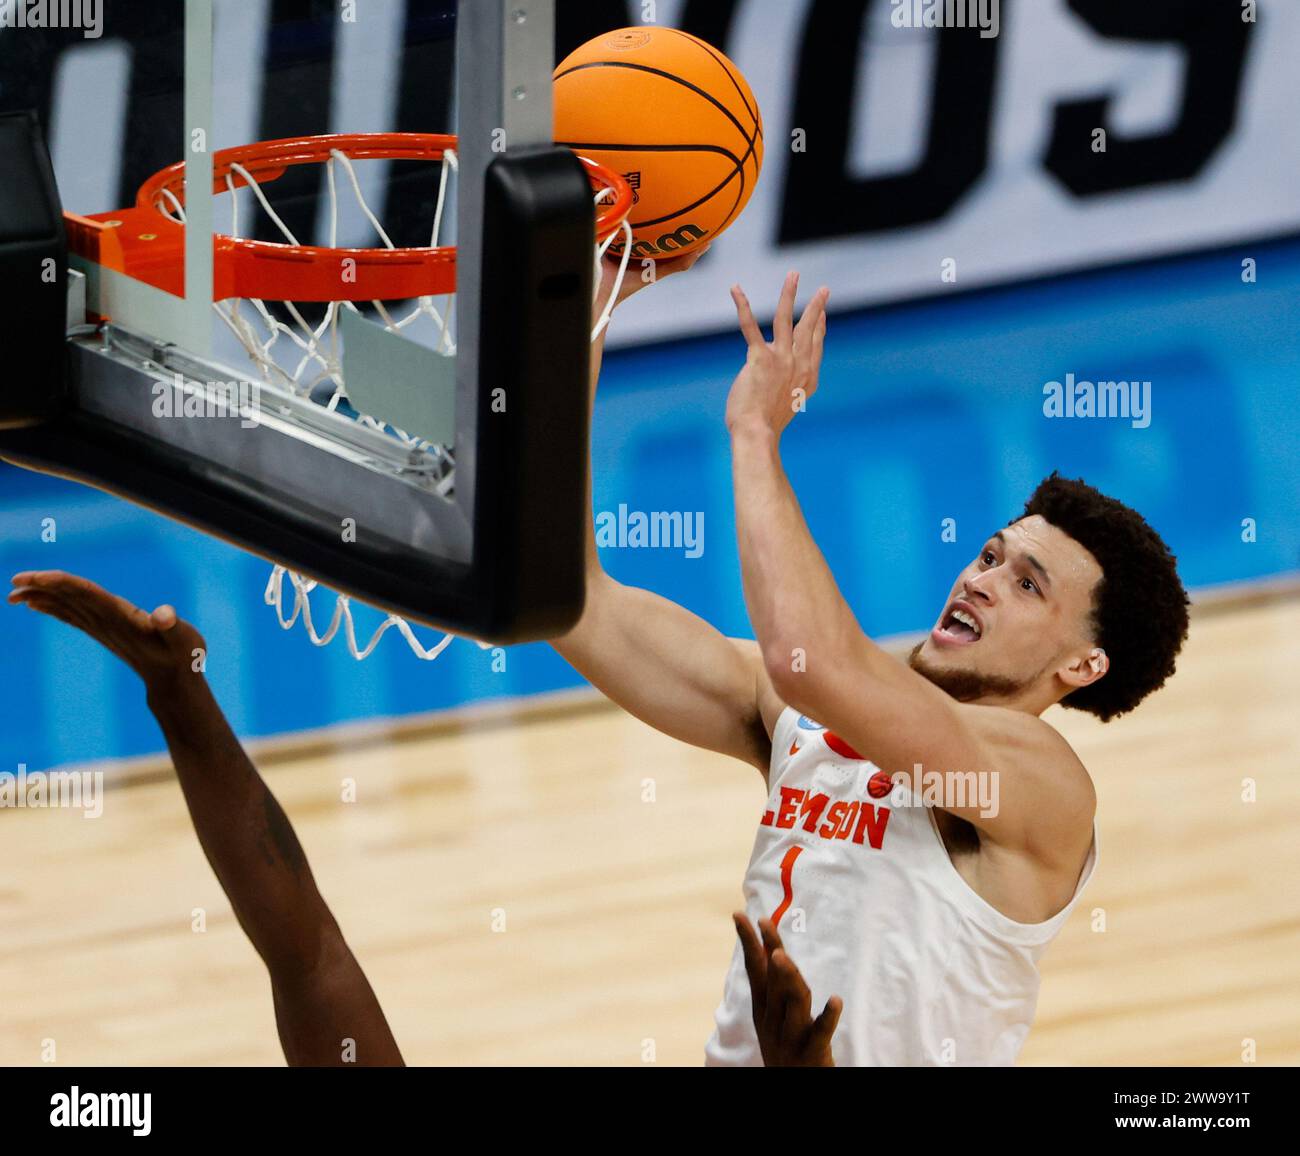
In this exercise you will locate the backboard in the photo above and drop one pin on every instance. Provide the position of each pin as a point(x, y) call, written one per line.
point(459, 500)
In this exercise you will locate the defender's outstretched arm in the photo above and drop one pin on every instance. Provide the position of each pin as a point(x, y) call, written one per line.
point(321, 995)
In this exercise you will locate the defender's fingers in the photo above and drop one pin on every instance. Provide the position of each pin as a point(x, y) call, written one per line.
point(771, 937)
point(23, 595)
point(73, 586)
point(52, 607)
point(751, 948)
point(783, 324)
point(777, 1012)
point(105, 605)
point(29, 594)
point(824, 1026)
point(54, 580)
point(748, 326)
point(96, 598)
point(755, 963)
point(39, 577)
point(785, 979)
point(88, 606)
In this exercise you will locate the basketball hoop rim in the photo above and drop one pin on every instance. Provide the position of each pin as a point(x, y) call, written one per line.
point(275, 270)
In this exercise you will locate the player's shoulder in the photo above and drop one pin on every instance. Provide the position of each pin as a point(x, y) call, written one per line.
point(1026, 743)
point(1058, 801)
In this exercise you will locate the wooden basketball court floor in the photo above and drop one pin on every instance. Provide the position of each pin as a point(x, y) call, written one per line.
point(614, 857)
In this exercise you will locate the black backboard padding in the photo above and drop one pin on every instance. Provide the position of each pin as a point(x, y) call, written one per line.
point(537, 290)
point(33, 275)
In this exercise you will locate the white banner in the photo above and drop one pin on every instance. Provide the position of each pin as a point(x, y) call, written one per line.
point(901, 160)
point(907, 162)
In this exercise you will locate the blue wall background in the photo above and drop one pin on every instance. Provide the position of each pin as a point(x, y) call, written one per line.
point(925, 412)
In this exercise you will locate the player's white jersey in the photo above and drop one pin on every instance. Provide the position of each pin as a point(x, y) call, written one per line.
point(871, 908)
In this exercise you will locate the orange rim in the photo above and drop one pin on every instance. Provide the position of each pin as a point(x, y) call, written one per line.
point(279, 271)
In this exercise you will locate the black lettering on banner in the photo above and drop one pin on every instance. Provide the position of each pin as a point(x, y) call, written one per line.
point(821, 199)
point(1214, 39)
point(31, 58)
point(710, 20)
point(426, 81)
point(577, 21)
point(297, 91)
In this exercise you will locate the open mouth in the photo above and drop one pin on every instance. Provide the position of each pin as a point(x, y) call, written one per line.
point(959, 627)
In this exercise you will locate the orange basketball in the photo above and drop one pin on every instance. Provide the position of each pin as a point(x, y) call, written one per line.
point(677, 119)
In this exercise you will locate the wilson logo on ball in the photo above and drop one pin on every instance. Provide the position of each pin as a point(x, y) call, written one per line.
point(670, 244)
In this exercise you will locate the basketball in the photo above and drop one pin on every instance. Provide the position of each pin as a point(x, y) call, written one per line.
point(677, 119)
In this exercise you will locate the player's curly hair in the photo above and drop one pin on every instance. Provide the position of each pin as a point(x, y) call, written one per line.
point(1139, 607)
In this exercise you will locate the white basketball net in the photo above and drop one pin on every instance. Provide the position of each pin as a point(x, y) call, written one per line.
point(307, 360)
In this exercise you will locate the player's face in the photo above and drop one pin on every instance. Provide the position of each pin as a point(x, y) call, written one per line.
point(1018, 612)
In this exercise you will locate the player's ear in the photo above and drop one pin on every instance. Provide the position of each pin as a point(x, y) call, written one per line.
point(1085, 669)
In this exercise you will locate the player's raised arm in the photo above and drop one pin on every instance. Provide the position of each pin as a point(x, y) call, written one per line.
point(322, 996)
point(657, 660)
point(892, 714)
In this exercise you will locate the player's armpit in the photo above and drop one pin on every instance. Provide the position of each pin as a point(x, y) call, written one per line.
point(770, 704)
point(673, 670)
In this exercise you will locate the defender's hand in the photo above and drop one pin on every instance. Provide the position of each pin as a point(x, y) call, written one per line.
point(158, 647)
point(788, 1036)
point(781, 374)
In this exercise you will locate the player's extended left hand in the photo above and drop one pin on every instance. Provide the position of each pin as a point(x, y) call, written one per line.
point(639, 275)
point(779, 375)
point(159, 647)
point(788, 1036)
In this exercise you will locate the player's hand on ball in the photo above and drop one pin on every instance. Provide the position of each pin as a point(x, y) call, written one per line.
point(779, 375)
point(639, 275)
point(158, 646)
point(788, 1036)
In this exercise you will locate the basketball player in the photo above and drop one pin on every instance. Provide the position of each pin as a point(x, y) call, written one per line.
point(321, 996)
point(928, 920)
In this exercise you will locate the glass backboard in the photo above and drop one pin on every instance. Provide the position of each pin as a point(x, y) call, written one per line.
point(425, 454)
